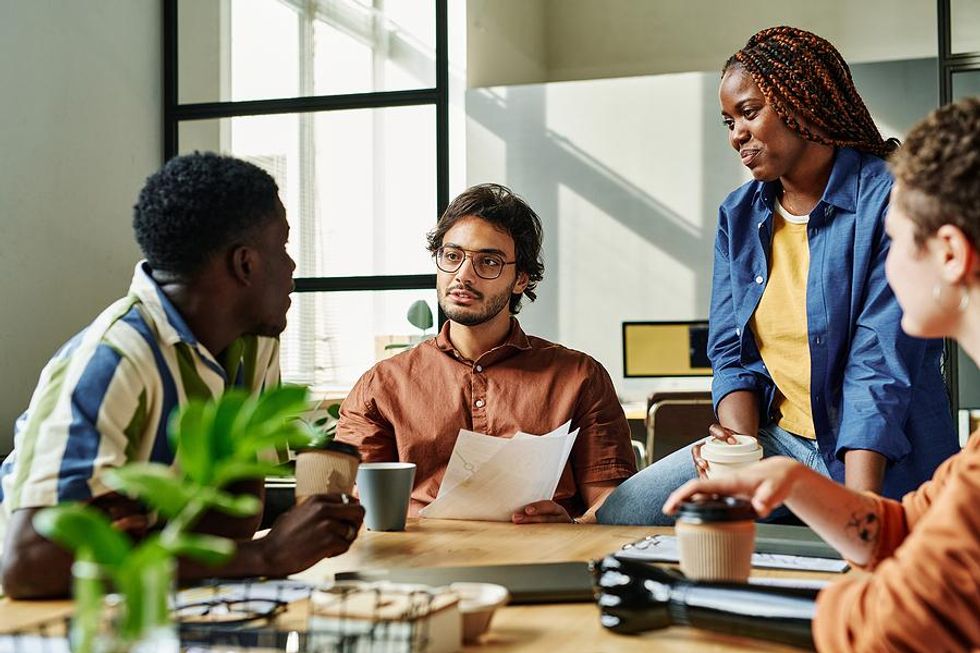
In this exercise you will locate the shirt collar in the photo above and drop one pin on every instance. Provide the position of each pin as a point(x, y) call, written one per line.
point(842, 187)
point(169, 322)
point(516, 341)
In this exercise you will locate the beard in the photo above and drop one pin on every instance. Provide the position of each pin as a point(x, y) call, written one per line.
point(473, 316)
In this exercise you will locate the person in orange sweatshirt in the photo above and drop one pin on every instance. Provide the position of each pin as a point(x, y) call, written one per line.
point(923, 552)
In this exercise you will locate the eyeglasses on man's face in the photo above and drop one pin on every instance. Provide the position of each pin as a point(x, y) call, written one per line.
point(486, 265)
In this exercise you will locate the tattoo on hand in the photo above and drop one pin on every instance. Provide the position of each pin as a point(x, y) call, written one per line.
point(865, 526)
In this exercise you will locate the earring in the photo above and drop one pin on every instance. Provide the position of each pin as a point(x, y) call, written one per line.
point(937, 295)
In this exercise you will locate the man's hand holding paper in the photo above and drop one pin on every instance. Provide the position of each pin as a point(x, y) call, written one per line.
point(491, 478)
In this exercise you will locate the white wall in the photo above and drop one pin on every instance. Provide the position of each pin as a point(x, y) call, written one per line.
point(80, 129)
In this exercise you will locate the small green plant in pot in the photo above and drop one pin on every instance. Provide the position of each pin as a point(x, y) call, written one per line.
point(325, 466)
point(216, 443)
point(419, 316)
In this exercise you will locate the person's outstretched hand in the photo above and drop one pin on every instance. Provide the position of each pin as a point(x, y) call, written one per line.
point(765, 484)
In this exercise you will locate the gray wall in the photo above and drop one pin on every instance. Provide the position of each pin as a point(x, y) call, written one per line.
point(80, 128)
point(534, 41)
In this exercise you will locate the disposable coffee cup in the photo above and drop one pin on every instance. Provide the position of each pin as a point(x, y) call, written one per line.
point(725, 459)
point(384, 490)
point(715, 538)
point(328, 470)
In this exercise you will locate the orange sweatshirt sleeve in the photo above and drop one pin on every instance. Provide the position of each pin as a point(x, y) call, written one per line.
point(924, 592)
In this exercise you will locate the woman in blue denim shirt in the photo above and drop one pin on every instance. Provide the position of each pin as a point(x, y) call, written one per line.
point(799, 287)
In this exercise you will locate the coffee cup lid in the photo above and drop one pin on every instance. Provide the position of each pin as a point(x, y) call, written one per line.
point(745, 449)
point(716, 509)
point(339, 447)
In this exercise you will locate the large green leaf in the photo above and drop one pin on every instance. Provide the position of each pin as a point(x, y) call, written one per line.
point(189, 436)
point(420, 315)
point(274, 407)
point(84, 530)
point(156, 485)
point(223, 429)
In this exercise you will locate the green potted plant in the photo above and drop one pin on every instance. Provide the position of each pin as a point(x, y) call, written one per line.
point(324, 465)
point(419, 316)
point(216, 443)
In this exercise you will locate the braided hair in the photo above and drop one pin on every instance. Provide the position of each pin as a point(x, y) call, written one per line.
point(801, 74)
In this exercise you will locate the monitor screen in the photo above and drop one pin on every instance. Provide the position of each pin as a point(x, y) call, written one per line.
point(665, 349)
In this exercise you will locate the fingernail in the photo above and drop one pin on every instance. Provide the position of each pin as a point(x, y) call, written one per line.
point(529, 510)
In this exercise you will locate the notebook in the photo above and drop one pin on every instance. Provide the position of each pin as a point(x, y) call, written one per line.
point(776, 547)
point(545, 582)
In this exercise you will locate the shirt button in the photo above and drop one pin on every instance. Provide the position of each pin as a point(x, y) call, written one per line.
point(818, 340)
point(759, 226)
point(758, 279)
point(479, 368)
point(829, 211)
point(479, 403)
point(738, 332)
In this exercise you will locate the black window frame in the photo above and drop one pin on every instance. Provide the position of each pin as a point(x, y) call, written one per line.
point(174, 113)
point(951, 63)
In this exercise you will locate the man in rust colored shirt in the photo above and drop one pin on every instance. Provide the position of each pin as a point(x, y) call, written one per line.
point(483, 373)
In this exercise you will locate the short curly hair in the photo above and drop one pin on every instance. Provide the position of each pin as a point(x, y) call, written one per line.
point(501, 207)
point(938, 171)
point(198, 205)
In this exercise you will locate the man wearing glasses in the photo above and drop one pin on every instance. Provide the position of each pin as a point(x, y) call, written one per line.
point(483, 373)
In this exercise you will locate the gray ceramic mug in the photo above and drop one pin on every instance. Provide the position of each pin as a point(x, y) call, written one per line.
point(384, 490)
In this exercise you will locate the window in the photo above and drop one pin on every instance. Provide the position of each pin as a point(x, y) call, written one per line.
point(345, 103)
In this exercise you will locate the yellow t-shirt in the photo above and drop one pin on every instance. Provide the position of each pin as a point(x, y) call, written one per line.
point(779, 323)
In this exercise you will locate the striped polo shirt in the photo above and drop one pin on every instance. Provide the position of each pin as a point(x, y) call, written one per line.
point(105, 397)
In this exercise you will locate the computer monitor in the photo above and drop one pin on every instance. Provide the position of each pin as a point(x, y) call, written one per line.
point(665, 349)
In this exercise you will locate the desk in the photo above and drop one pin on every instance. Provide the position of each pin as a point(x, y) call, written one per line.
point(431, 543)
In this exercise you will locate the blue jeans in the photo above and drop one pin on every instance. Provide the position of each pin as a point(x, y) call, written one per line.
point(640, 499)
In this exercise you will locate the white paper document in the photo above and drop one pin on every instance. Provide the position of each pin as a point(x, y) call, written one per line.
point(489, 478)
point(663, 548)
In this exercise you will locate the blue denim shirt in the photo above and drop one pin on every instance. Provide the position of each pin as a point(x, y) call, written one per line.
point(871, 385)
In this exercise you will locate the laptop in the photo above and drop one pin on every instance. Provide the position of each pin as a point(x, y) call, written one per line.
point(542, 582)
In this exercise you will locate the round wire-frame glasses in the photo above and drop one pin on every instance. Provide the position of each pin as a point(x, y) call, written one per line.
point(486, 264)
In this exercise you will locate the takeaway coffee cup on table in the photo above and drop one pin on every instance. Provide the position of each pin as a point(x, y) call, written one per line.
point(715, 538)
point(330, 469)
point(724, 459)
point(384, 490)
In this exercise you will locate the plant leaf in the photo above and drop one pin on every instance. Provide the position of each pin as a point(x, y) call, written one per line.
point(420, 315)
point(156, 485)
point(277, 405)
point(189, 435)
point(223, 429)
point(334, 410)
point(241, 505)
point(209, 549)
point(85, 531)
point(236, 470)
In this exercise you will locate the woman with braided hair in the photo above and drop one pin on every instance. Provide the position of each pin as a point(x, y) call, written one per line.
point(804, 339)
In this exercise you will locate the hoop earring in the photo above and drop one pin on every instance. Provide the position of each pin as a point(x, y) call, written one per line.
point(937, 295)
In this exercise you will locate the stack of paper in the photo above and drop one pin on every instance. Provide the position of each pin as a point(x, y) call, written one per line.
point(490, 478)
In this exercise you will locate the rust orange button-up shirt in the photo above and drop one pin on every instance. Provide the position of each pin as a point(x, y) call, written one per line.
point(411, 407)
point(924, 592)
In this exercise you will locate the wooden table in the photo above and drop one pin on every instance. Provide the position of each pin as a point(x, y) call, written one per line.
point(515, 629)
point(571, 627)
